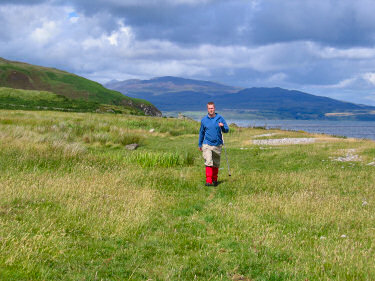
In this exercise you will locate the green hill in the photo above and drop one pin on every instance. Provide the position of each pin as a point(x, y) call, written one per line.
point(76, 89)
point(11, 98)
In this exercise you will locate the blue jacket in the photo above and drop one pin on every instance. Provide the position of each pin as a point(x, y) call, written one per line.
point(210, 132)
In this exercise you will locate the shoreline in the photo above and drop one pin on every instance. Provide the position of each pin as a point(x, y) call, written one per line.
point(340, 129)
point(336, 128)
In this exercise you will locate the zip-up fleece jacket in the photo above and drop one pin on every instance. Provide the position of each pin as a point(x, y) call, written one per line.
point(210, 132)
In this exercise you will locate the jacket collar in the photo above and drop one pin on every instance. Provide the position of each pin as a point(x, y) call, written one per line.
point(216, 116)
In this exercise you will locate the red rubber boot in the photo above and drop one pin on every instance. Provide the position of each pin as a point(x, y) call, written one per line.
point(215, 172)
point(209, 173)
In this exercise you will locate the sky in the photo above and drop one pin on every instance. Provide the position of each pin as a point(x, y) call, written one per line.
point(322, 47)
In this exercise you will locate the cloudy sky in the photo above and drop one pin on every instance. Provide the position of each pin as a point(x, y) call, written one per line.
point(323, 47)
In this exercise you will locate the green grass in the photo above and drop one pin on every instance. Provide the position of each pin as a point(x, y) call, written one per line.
point(76, 205)
point(152, 159)
point(39, 100)
point(43, 100)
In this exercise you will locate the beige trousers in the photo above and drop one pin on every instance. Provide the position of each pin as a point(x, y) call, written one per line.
point(211, 155)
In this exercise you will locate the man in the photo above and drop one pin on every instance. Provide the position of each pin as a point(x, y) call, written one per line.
point(211, 142)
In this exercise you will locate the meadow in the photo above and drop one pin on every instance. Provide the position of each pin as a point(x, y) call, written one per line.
point(76, 205)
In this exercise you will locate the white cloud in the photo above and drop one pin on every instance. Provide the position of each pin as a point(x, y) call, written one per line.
point(105, 44)
point(351, 53)
point(370, 77)
point(341, 84)
point(277, 78)
point(45, 33)
point(364, 82)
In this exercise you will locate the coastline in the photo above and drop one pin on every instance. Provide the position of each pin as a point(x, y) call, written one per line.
point(343, 129)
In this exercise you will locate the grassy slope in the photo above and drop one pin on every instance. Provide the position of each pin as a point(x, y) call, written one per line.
point(75, 205)
point(31, 77)
point(43, 100)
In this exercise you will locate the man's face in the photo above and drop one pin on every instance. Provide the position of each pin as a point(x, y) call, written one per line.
point(211, 109)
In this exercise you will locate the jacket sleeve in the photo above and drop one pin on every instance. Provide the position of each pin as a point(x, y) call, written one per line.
point(225, 128)
point(201, 135)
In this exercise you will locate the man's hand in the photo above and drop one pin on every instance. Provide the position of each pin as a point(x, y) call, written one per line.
point(200, 148)
point(221, 124)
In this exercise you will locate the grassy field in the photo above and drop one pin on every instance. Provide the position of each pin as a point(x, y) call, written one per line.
point(76, 205)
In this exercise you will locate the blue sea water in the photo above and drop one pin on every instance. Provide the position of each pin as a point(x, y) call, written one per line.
point(352, 129)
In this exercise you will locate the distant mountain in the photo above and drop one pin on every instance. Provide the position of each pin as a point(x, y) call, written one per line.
point(18, 75)
point(170, 84)
point(179, 94)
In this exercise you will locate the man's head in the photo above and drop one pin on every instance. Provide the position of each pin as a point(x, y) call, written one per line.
point(211, 108)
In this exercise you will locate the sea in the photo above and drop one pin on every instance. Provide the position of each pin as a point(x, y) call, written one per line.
point(350, 129)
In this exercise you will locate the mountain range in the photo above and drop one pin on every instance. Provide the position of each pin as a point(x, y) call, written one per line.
point(27, 86)
point(175, 94)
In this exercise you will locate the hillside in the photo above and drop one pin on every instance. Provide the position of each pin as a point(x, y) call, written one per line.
point(25, 76)
point(178, 94)
point(11, 98)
